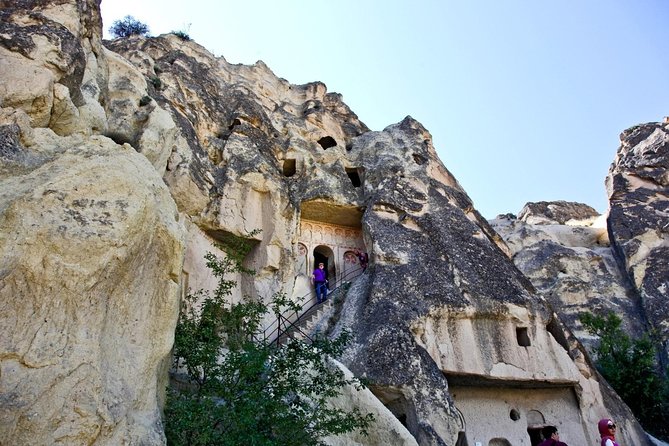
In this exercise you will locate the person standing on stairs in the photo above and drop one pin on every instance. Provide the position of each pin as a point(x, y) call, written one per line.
point(320, 280)
point(363, 258)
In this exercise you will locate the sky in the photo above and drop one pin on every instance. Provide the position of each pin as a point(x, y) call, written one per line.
point(525, 99)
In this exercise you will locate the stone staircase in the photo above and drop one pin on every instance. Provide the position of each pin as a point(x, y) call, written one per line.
point(316, 319)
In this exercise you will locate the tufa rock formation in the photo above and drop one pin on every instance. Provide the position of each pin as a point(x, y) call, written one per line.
point(583, 262)
point(92, 244)
point(572, 265)
point(638, 221)
point(559, 212)
point(123, 163)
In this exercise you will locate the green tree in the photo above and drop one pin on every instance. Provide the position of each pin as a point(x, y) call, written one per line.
point(243, 390)
point(128, 26)
point(630, 366)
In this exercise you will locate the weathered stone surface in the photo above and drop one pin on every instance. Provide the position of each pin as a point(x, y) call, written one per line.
point(386, 430)
point(89, 273)
point(574, 268)
point(234, 137)
point(638, 188)
point(555, 212)
point(444, 304)
point(91, 242)
point(40, 53)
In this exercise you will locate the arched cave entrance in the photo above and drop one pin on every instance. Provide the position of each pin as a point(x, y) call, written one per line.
point(332, 233)
point(324, 254)
point(535, 422)
point(462, 439)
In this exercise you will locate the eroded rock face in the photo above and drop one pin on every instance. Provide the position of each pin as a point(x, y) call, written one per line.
point(555, 212)
point(574, 268)
point(638, 221)
point(444, 306)
point(93, 243)
point(91, 240)
point(90, 274)
point(573, 264)
point(250, 149)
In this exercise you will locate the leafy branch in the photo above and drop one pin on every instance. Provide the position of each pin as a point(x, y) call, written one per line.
point(240, 388)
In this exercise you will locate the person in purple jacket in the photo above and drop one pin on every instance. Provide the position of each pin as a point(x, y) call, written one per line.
point(320, 280)
point(552, 438)
point(607, 429)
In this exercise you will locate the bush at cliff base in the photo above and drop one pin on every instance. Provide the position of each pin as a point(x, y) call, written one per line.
point(243, 390)
point(630, 366)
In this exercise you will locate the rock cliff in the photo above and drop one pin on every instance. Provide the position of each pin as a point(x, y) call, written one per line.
point(92, 244)
point(581, 261)
point(572, 265)
point(124, 162)
point(638, 221)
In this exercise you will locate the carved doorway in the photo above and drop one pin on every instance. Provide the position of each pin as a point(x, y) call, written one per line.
point(535, 423)
point(324, 254)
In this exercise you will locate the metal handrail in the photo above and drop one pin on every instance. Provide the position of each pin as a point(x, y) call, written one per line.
point(287, 315)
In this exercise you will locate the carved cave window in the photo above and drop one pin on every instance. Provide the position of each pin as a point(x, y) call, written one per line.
point(522, 337)
point(326, 142)
point(419, 159)
point(554, 329)
point(289, 167)
point(353, 176)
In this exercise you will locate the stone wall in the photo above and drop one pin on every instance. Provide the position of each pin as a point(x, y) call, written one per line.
point(507, 413)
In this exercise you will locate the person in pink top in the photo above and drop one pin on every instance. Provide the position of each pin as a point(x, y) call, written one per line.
point(607, 429)
point(363, 258)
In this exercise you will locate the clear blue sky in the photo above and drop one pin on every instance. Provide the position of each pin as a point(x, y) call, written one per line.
point(524, 99)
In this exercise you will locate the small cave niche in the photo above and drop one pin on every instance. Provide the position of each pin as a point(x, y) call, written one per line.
point(235, 123)
point(419, 159)
point(514, 415)
point(326, 142)
point(553, 327)
point(354, 176)
point(332, 213)
point(522, 337)
point(289, 167)
point(395, 402)
point(120, 138)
